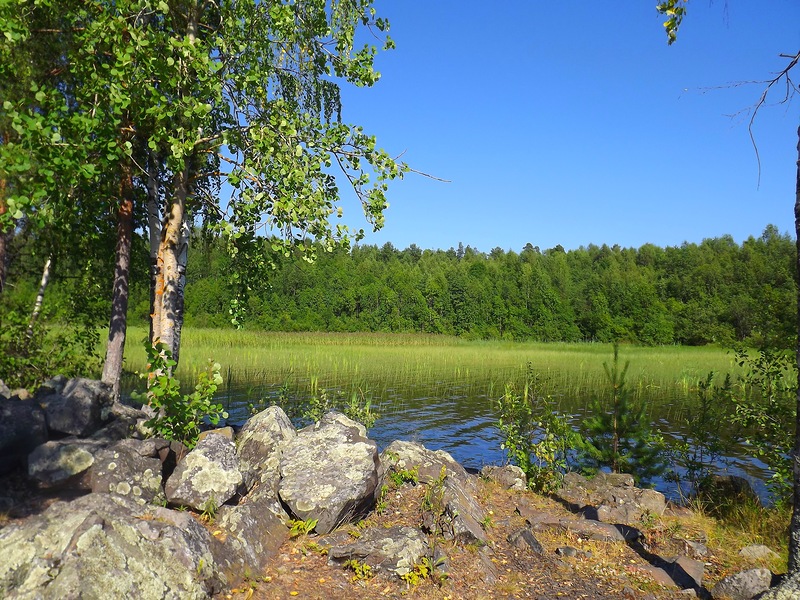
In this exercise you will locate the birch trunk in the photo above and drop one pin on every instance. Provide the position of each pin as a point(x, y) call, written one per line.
point(168, 307)
point(37, 306)
point(154, 231)
point(112, 368)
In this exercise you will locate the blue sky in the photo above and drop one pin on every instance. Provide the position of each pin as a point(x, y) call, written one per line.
point(569, 123)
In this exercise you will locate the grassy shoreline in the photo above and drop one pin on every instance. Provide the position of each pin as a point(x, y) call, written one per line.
point(344, 360)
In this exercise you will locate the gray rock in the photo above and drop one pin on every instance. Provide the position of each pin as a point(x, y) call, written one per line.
point(330, 472)
point(254, 532)
point(744, 585)
point(524, 539)
point(758, 552)
point(103, 546)
point(260, 444)
point(394, 549)
point(22, 429)
point(5, 391)
point(207, 477)
point(54, 385)
point(62, 462)
point(450, 509)
point(402, 455)
point(611, 498)
point(510, 476)
point(79, 409)
point(130, 468)
point(788, 589)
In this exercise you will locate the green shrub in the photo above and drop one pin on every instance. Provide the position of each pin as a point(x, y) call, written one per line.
point(536, 437)
point(179, 417)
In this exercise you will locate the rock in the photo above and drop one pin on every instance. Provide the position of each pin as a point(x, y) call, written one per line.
point(5, 391)
point(260, 444)
point(21, 395)
point(330, 472)
point(524, 539)
point(449, 508)
point(593, 530)
point(686, 572)
point(744, 585)
point(452, 509)
point(78, 410)
point(611, 498)
point(395, 549)
point(696, 549)
point(729, 487)
point(62, 462)
point(226, 432)
point(207, 477)
point(130, 468)
point(254, 532)
point(54, 385)
point(788, 589)
point(22, 429)
point(402, 455)
point(510, 477)
point(758, 552)
point(104, 546)
point(572, 552)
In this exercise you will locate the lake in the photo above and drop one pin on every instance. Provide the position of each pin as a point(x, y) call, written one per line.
point(440, 391)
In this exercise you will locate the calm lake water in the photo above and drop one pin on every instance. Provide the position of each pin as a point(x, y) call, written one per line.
point(460, 419)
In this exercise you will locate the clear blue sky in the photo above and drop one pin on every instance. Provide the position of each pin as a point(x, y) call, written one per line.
point(560, 123)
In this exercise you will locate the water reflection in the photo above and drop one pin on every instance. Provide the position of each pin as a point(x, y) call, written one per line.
point(460, 419)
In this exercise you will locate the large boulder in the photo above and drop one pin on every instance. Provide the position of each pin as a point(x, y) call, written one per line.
point(260, 444)
point(22, 429)
point(330, 472)
point(80, 409)
point(207, 477)
point(393, 550)
point(103, 546)
point(407, 456)
point(450, 507)
point(254, 531)
point(130, 468)
point(64, 462)
point(744, 585)
point(611, 498)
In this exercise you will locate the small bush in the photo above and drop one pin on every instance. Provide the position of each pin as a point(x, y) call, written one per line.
point(179, 417)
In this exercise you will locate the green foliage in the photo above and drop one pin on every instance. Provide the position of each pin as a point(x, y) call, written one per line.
point(357, 408)
point(701, 446)
point(618, 433)
point(674, 10)
point(401, 476)
point(298, 527)
point(180, 416)
point(536, 437)
point(29, 355)
point(426, 568)
point(361, 571)
point(765, 408)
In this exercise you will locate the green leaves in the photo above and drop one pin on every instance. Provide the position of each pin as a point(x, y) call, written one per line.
point(675, 10)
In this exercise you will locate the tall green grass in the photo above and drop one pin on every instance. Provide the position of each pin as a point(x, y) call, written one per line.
point(384, 362)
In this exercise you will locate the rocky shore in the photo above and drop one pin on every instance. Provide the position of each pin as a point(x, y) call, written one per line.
point(272, 512)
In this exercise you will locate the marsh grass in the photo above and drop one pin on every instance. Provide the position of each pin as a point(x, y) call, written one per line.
point(387, 363)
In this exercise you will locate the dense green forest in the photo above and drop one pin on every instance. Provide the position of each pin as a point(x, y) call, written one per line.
point(717, 291)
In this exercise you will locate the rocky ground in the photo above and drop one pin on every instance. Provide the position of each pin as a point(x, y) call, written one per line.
point(100, 514)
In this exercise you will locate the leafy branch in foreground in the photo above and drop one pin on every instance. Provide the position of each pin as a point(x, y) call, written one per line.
point(179, 417)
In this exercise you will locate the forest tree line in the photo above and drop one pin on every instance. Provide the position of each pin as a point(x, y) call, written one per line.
point(717, 291)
